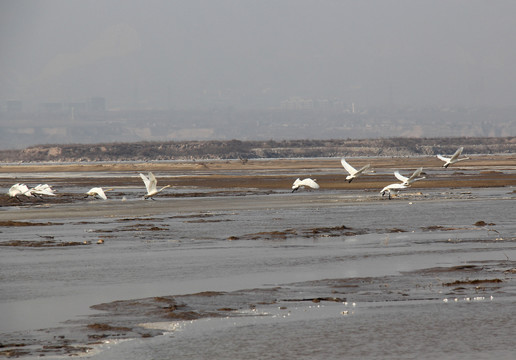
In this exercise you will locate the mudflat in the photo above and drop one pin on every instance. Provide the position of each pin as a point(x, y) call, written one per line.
point(213, 179)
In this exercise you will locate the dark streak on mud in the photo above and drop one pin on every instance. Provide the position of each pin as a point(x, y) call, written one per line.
point(318, 299)
point(25, 223)
point(136, 219)
point(335, 231)
point(106, 327)
point(42, 244)
point(206, 221)
point(473, 282)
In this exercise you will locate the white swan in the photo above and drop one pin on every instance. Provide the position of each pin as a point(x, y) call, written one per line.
point(453, 159)
point(150, 183)
point(353, 173)
point(97, 191)
point(305, 182)
point(19, 189)
point(42, 189)
point(407, 181)
point(396, 187)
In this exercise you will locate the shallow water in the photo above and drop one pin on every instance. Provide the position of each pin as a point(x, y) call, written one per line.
point(401, 330)
point(288, 241)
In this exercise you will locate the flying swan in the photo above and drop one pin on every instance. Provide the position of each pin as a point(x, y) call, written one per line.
point(305, 182)
point(150, 183)
point(407, 181)
point(353, 173)
point(453, 159)
point(393, 188)
point(97, 192)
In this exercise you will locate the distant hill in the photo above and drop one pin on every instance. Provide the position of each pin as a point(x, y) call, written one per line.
point(236, 149)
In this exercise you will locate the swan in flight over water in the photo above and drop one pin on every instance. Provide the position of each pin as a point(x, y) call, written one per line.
point(150, 183)
point(353, 173)
point(97, 192)
point(453, 159)
point(396, 187)
point(407, 181)
point(305, 182)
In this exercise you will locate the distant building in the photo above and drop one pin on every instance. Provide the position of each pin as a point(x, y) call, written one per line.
point(296, 103)
point(51, 107)
point(14, 106)
point(97, 104)
point(78, 107)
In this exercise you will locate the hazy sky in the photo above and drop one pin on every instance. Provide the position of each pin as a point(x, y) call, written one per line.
point(254, 53)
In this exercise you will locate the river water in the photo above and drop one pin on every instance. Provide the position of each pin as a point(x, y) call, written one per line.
point(309, 275)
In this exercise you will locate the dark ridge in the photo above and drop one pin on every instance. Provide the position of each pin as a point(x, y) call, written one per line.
point(243, 150)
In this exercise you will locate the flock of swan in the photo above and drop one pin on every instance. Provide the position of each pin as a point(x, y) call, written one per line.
point(38, 190)
point(404, 183)
point(152, 190)
point(95, 192)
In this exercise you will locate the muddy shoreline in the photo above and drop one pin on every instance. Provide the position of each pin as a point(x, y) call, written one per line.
point(232, 177)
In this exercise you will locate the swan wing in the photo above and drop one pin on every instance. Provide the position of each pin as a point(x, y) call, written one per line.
point(350, 169)
point(311, 183)
point(15, 190)
point(43, 189)
point(101, 193)
point(396, 186)
point(445, 159)
point(457, 153)
point(146, 181)
point(415, 174)
point(24, 190)
point(152, 182)
point(363, 168)
point(97, 191)
point(400, 177)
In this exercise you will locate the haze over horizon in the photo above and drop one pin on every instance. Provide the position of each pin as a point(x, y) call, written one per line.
point(254, 54)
